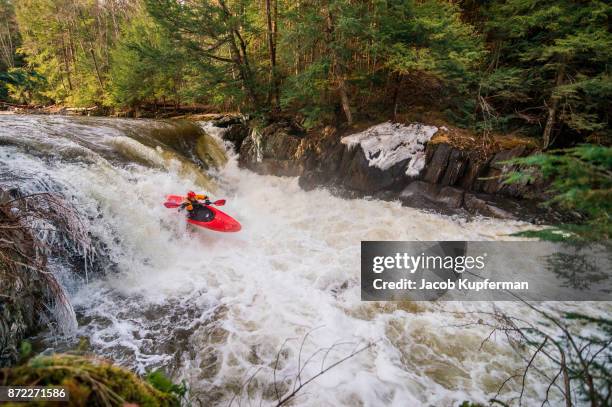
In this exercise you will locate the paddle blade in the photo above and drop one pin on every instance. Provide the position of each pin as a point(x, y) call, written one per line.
point(220, 202)
point(171, 204)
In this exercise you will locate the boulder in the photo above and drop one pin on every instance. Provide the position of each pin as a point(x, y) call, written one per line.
point(235, 134)
point(226, 121)
point(437, 160)
point(390, 161)
point(478, 206)
point(271, 151)
point(451, 197)
point(424, 194)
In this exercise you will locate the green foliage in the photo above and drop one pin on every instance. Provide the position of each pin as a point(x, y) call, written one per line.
point(581, 181)
point(541, 69)
point(216, 37)
point(89, 381)
point(551, 61)
point(146, 66)
point(429, 36)
point(25, 350)
point(161, 382)
point(22, 85)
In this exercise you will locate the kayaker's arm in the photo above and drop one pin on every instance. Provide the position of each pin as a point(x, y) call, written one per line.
point(186, 205)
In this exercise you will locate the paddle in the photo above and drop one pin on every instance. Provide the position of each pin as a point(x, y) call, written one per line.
point(170, 204)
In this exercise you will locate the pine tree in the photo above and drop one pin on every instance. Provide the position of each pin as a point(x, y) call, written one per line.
point(146, 66)
point(552, 61)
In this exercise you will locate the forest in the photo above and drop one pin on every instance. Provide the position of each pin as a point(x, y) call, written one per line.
point(535, 68)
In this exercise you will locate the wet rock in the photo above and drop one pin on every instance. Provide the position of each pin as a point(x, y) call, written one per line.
point(226, 121)
point(249, 151)
point(419, 190)
point(423, 193)
point(310, 180)
point(457, 163)
point(492, 182)
point(271, 151)
point(359, 175)
point(235, 134)
point(279, 142)
point(473, 170)
point(451, 197)
point(481, 207)
point(339, 161)
point(436, 165)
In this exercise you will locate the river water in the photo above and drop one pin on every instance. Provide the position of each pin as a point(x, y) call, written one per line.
point(237, 316)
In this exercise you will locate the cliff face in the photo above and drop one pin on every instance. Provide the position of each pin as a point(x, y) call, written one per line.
point(423, 166)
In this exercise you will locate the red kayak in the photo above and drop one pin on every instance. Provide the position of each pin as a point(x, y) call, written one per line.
point(206, 216)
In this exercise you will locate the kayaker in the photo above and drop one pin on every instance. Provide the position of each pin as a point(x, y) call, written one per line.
point(193, 200)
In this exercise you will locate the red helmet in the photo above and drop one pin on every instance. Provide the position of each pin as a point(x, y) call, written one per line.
point(191, 195)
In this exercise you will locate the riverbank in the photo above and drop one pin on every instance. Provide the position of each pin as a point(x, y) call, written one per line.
point(459, 172)
point(430, 166)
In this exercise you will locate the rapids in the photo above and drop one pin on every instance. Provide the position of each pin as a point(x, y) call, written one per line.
point(233, 314)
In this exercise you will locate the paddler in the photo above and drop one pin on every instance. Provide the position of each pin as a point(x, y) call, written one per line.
point(192, 201)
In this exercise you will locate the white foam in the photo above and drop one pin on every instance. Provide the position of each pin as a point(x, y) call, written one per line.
point(223, 305)
point(387, 144)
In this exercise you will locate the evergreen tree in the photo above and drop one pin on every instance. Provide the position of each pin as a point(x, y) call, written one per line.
point(218, 35)
point(580, 182)
point(552, 65)
point(69, 42)
point(427, 41)
point(146, 66)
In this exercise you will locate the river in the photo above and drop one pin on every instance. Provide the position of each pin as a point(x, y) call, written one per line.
point(233, 314)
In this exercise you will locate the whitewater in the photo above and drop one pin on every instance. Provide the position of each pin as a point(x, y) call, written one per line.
point(239, 316)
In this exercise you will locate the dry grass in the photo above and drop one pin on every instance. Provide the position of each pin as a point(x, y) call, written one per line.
point(32, 227)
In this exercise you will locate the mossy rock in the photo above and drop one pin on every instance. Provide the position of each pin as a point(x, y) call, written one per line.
point(90, 382)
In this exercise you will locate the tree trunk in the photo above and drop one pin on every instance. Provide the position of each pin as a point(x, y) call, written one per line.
point(66, 63)
point(553, 106)
point(238, 49)
point(396, 91)
point(95, 61)
point(273, 96)
point(337, 69)
point(346, 106)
